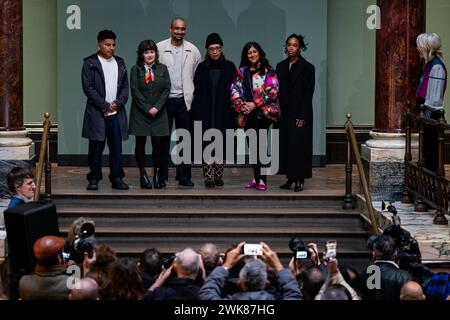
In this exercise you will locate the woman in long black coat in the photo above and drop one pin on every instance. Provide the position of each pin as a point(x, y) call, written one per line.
point(211, 104)
point(297, 81)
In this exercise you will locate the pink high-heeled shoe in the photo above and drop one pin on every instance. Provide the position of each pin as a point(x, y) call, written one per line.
point(251, 185)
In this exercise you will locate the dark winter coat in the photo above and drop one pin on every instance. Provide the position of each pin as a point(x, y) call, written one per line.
point(93, 82)
point(145, 97)
point(296, 125)
point(175, 289)
point(391, 282)
point(219, 115)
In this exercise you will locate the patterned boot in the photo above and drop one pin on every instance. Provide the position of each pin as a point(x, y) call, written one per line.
point(218, 176)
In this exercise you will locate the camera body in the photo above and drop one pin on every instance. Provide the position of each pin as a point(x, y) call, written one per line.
point(84, 242)
point(300, 250)
point(167, 263)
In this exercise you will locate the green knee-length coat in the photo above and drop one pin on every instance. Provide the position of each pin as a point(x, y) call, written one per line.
point(146, 96)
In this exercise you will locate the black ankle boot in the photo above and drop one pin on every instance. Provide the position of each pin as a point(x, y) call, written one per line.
point(298, 186)
point(209, 184)
point(145, 182)
point(157, 181)
point(287, 185)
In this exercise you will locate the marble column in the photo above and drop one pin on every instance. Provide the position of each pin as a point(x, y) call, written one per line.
point(397, 73)
point(15, 148)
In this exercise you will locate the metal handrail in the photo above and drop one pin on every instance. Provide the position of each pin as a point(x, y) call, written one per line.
point(44, 162)
point(352, 144)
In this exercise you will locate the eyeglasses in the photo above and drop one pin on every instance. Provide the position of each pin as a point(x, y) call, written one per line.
point(215, 49)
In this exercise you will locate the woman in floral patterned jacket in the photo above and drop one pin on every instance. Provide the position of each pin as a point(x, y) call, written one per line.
point(254, 95)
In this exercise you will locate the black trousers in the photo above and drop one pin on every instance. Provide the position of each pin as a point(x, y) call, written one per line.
point(114, 141)
point(431, 146)
point(159, 146)
point(254, 122)
point(177, 110)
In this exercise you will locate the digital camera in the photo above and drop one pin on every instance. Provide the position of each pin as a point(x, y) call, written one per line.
point(299, 249)
point(84, 242)
point(167, 262)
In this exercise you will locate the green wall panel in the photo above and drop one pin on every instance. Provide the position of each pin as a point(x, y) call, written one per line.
point(351, 62)
point(39, 59)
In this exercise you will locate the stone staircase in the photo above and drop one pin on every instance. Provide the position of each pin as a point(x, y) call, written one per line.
point(171, 220)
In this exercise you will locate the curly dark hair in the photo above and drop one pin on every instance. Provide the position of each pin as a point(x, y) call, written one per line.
point(264, 63)
point(106, 34)
point(301, 41)
point(146, 45)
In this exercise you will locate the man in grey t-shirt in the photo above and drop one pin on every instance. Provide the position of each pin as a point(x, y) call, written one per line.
point(181, 58)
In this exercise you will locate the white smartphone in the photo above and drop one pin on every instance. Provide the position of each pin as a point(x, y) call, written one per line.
point(251, 249)
point(331, 246)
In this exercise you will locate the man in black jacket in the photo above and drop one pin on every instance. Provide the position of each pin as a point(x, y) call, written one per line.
point(184, 286)
point(392, 278)
point(105, 84)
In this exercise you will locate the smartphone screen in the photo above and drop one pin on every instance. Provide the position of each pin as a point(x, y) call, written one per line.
point(252, 249)
point(331, 247)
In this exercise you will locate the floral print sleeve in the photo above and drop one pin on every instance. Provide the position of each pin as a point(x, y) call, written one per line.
point(237, 92)
point(268, 92)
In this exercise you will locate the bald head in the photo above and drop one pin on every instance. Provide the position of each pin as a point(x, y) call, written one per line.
point(311, 281)
point(210, 256)
point(176, 20)
point(86, 289)
point(187, 264)
point(411, 290)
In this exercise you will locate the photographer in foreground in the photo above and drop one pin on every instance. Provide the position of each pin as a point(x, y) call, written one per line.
point(187, 266)
point(252, 278)
point(392, 277)
point(49, 279)
point(80, 240)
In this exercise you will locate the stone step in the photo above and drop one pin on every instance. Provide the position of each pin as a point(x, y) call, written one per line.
point(187, 230)
point(182, 201)
point(172, 244)
point(274, 222)
point(350, 249)
point(216, 216)
point(122, 211)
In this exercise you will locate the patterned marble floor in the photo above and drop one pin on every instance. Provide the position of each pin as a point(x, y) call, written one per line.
point(434, 240)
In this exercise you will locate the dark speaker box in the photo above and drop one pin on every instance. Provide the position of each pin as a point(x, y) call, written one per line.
point(24, 225)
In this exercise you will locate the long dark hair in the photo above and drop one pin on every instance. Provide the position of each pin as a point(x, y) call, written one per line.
point(146, 45)
point(125, 280)
point(264, 63)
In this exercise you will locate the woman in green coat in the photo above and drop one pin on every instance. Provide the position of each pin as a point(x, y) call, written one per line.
point(150, 87)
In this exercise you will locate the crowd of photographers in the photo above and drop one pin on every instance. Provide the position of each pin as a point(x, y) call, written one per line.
point(78, 268)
